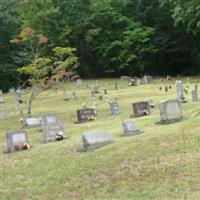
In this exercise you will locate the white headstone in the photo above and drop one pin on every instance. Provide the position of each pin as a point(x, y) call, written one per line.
point(170, 111)
point(180, 91)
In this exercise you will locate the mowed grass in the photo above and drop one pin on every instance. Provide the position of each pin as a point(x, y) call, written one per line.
point(161, 163)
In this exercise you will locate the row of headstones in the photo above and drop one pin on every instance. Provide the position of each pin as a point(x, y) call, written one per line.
point(53, 130)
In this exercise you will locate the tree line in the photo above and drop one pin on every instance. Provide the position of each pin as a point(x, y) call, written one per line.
point(112, 37)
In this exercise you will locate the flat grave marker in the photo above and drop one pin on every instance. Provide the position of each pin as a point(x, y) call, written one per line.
point(130, 128)
point(94, 140)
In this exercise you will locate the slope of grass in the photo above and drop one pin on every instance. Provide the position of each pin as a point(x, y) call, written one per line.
point(161, 163)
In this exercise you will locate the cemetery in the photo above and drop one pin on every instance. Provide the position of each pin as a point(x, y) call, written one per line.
point(99, 100)
point(159, 120)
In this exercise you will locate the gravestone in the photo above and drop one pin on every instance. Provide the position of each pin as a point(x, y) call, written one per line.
point(18, 97)
point(93, 140)
point(170, 111)
point(180, 92)
point(48, 119)
point(79, 82)
point(86, 115)
point(2, 99)
point(74, 96)
point(194, 95)
point(132, 82)
point(17, 140)
point(95, 89)
point(114, 107)
point(53, 132)
point(130, 128)
point(31, 122)
point(148, 79)
point(65, 97)
point(141, 109)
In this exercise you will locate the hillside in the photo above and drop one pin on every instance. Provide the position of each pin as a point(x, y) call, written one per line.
point(161, 163)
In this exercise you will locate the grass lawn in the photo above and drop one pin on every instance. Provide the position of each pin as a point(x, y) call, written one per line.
point(161, 163)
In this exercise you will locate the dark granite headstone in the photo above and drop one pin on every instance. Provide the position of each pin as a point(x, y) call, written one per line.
point(85, 115)
point(141, 109)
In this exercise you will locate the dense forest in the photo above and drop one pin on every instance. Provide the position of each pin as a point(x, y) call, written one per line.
point(112, 37)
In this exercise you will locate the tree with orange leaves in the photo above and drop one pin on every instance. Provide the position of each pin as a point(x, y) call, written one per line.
point(44, 73)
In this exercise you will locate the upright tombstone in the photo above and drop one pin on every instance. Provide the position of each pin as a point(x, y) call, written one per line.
point(48, 119)
point(132, 82)
point(130, 128)
point(148, 79)
point(86, 115)
point(194, 95)
point(95, 88)
point(74, 96)
point(17, 140)
point(170, 111)
point(65, 96)
point(18, 97)
point(114, 107)
point(94, 140)
point(53, 132)
point(180, 92)
point(141, 109)
point(1, 97)
point(79, 82)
